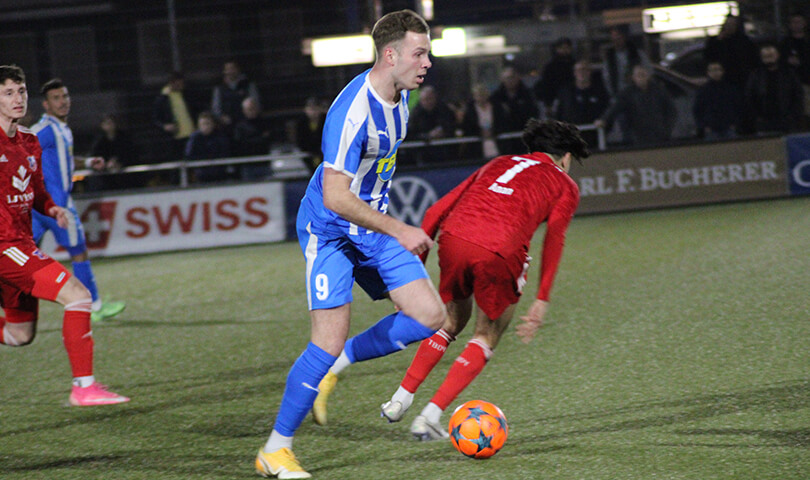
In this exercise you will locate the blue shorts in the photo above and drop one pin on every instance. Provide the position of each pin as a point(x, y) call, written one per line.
point(377, 262)
point(70, 238)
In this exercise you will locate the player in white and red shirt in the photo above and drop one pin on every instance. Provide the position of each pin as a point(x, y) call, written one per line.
point(27, 274)
point(487, 223)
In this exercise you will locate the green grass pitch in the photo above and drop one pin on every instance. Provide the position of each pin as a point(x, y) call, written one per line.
point(678, 347)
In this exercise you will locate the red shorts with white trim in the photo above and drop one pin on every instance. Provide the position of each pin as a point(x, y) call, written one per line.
point(470, 270)
point(27, 274)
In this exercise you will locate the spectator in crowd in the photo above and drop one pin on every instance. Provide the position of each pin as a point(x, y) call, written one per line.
point(518, 102)
point(207, 143)
point(718, 105)
point(794, 49)
point(774, 94)
point(432, 118)
point(114, 144)
point(309, 131)
point(619, 58)
point(227, 97)
point(515, 98)
point(173, 115)
point(733, 49)
point(583, 101)
point(485, 119)
point(251, 134)
point(648, 109)
point(557, 73)
point(118, 150)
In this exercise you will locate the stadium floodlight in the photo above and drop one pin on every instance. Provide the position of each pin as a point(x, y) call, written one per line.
point(344, 50)
point(453, 42)
point(683, 17)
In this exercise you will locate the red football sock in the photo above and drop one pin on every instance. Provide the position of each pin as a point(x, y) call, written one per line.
point(464, 370)
point(427, 356)
point(78, 339)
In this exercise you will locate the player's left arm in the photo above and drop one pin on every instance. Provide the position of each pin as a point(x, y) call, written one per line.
point(553, 243)
point(338, 198)
point(435, 215)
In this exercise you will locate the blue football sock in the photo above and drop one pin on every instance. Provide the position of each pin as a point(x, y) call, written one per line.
point(302, 388)
point(389, 335)
point(84, 273)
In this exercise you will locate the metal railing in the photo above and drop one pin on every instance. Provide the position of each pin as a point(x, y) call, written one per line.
point(291, 165)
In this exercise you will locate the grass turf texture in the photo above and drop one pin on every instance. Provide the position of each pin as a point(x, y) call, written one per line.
point(676, 348)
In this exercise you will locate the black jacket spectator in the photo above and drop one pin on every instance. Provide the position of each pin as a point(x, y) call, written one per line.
point(774, 95)
point(718, 106)
point(558, 73)
point(734, 50)
point(516, 99)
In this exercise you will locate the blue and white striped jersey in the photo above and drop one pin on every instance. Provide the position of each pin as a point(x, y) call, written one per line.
point(360, 138)
point(56, 140)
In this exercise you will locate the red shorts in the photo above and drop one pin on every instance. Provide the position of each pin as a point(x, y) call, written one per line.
point(470, 270)
point(27, 274)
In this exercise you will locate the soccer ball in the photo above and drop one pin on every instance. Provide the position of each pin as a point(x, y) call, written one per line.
point(478, 429)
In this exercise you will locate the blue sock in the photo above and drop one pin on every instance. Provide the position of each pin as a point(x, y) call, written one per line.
point(391, 334)
point(302, 388)
point(84, 273)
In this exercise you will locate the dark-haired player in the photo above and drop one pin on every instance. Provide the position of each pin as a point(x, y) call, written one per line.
point(487, 223)
point(56, 140)
point(26, 273)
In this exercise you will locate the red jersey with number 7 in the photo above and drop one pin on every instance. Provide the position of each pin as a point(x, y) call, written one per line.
point(501, 205)
point(21, 185)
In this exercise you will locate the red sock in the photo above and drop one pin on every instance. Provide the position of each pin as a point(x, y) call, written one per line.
point(2, 325)
point(427, 356)
point(464, 370)
point(78, 339)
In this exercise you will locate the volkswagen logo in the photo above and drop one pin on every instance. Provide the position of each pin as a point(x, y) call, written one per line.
point(409, 198)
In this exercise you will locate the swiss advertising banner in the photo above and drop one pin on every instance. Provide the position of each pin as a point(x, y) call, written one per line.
point(180, 220)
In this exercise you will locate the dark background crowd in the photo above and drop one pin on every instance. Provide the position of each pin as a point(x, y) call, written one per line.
point(208, 100)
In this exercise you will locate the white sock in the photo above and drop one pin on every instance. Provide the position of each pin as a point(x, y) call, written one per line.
point(432, 412)
point(277, 441)
point(8, 338)
point(403, 396)
point(341, 363)
point(96, 306)
point(84, 382)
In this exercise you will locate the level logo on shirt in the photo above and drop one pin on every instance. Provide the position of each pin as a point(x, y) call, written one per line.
point(21, 182)
point(386, 167)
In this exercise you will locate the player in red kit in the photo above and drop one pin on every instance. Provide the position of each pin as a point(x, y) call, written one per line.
point(487, 223)
point(27, 274)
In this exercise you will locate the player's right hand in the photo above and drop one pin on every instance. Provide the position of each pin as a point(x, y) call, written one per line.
point(532, 321)
point(60, 214)
point(414, 239)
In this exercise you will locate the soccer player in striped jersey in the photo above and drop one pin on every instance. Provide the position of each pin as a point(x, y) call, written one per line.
point(56, 140)
point(347, 237)
point(487, 223)
point(26, 273)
